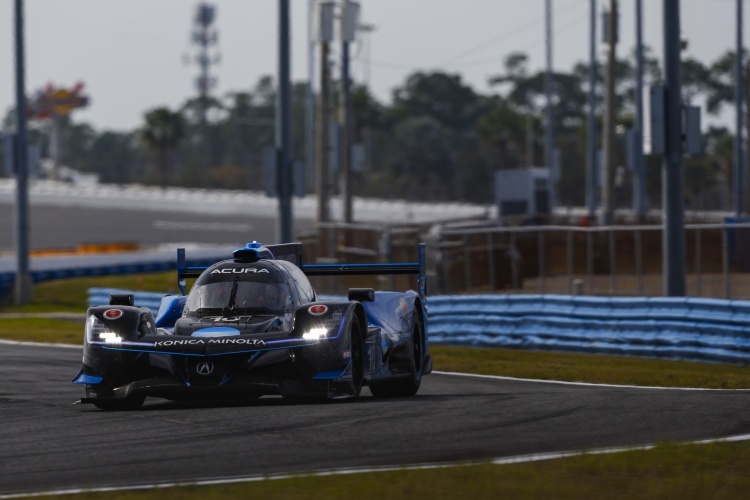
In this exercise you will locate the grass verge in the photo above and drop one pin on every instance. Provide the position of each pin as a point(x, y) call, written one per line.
point(668, 471)
point(70, 295)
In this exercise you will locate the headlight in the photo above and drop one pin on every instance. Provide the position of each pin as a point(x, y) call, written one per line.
point(96, 331)
point(315, 334)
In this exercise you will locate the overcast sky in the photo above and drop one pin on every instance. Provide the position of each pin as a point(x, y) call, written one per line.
point(130, 53)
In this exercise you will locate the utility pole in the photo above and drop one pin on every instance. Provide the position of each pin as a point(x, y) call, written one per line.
point(639, 160)
point(591, 156)
point(672, 170)
point(23, 288)
point(608, 201)
point(310, 98)
point(323, 34)
point(739, 153)
point(284, 233)
point(549, 138)
point(349, 17)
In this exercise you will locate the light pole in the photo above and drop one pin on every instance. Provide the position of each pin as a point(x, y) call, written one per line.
point(591, 120)
point(549, 137)
point(323, 34)
point(639, 163)
point(23, 277)
point(284, 233)
point(348, 31)
point(608, 199)
point(672, 171)
point(739, 153)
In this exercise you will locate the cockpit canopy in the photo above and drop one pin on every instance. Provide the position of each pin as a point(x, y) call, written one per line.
point(232, 289)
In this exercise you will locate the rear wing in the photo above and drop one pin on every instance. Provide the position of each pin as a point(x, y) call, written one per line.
point(292, 252)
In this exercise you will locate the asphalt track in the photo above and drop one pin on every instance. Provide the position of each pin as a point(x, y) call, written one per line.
point(49, 443)
point(59, 227)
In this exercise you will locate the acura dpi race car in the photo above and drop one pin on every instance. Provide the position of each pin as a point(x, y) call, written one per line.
point(253, 325)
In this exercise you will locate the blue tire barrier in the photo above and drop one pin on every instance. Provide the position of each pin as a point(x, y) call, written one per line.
point(694, 329)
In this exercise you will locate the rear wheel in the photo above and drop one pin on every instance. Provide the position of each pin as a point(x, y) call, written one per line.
point(407, 386)
point(120, 404)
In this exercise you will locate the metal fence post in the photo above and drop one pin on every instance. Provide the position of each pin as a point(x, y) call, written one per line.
point(541, 255)
point(514, 262)
point(570, 261)
point(491, 259)
point(589, 262)
point(467, 264)
point(612, 263)
point(698, 259)
point(725, 261)
point(639, 260)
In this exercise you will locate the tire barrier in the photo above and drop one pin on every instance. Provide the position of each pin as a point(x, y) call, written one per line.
point(693, 329)
point(666, 327)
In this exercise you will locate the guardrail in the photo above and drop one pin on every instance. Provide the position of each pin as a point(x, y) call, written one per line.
point(678, 328)
point(610, 260)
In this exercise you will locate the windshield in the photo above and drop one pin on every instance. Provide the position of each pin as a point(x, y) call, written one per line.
point(235, 294)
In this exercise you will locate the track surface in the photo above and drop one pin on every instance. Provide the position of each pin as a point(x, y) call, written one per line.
point(66, 226)
point(49, 443)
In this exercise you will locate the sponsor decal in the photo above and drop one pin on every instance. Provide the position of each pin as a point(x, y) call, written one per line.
point(330, 324)
point(192, 341)
point(204, 368)
point(242, 270)
point(113, 313)
point(317, 310)
point(337, 316)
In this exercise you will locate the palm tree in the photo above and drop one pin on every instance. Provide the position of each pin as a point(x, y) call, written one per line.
point(162, 132)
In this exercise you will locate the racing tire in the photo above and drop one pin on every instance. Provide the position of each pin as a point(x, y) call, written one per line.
point(407, 386)
point(120, 404)
point(358, 358)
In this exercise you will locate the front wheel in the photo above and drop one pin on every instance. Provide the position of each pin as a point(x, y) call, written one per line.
point(357, 362)
point(407, 386)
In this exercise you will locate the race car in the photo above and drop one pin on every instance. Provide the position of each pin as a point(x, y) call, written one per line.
point(253, 325)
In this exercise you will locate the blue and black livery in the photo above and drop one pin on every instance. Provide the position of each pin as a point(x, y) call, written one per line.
point(253, 325)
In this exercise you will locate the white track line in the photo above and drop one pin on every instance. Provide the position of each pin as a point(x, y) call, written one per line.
point(585, 384)
point(533, 457)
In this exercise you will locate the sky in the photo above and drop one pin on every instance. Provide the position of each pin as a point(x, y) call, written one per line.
point(130, 53)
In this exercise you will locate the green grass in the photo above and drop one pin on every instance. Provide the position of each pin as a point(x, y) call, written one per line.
point(596, 368)
point(70, 295)
point(668, 471)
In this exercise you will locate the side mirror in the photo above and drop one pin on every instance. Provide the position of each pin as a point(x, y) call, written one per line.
point(362, 294)
point(121, 299)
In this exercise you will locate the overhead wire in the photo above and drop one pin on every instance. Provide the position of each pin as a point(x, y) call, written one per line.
point(504, 36)
point(519, 29)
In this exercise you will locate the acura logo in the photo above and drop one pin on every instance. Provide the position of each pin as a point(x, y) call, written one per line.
point(205, 368)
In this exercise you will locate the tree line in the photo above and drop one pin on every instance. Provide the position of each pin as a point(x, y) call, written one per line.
point(438, 139)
